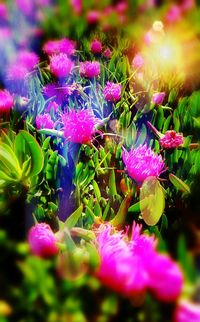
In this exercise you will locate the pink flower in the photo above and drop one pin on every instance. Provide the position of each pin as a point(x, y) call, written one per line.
point(27, 7)
point(173, 14)
point(17, 72)
point(42, 240)
point(132, 266)
point(187, 311)
point(52, 106)
point(96, 46)
point(171, 140)
point(187, 5)
point(27, 59)
point(158, 98)
point(142, 163)
point(61, 65)
point(3, 11)
point(56, 90)
point(121, 266)
point(77, 6)
point(5, 33)
point(6, 101)
point(121, 6)
point(112, 92)
point(44, 121)
point(93, 17)
point(89, 69)
point(79, 126)
point(64, 45)
point(166, 278)
point(138, 61)
point(107, 53)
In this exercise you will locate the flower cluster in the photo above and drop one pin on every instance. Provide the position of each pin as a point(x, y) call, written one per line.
point(6, 101)
point(61, 65)
point(171, 140)
point(42, 240)
point(89, 69)
point(142, 163)
point(64, 46)
point(79, 126)
point(112, 92)
point(44, 121)
point(130, 267)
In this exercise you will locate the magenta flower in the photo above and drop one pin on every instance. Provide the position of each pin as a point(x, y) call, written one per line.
point(79, 126)
point(166, 283)
point(127, 266)
point(64, 45)
point(42, 240)
point(107, 53)
point(26, 7)
point(96, 46)
point(138, 61)
point(17, 72)
point(61, 65)
point(52, 106)
point(142, 163)
point(77, 6)
point(3, 11)
point(93, 17)
point(89, 69)
point(44, 121)
point(112, 92)
point(6, 101)
point(171, 140)
point(27, 59)
point(173, 14)
point(121, 269)
point(187, 5)
point(187, 311)
point(158, 98)
point(56, 90)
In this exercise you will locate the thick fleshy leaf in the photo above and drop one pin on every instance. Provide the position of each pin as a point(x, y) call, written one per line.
point(152, 193)
point(26, 145)
point(178, 183)
point(74, 217)
point(120, 217)
point(8, 160)
point(112, 184)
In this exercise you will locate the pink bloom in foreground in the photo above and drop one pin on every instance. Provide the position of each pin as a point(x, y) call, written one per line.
point(64, 45)
point(138, 61)
point(6, 101)
point(79, 126)
point(166, 278)
point(96, 46)
point(126, 266)
point(121, 269)
point(158, 98)
point(89, 69)
point(42, 240)
point(61, 65)
point(142, 163)
point(171, 140)
point(27, 59)
point(17, 71)
point(44, 122)
point(112, 92)
point(187, 311)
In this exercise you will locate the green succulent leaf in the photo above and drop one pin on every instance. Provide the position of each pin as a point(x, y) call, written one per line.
point(74, 217)
point(178, 183)
point(25, 144)
point(152, 201)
